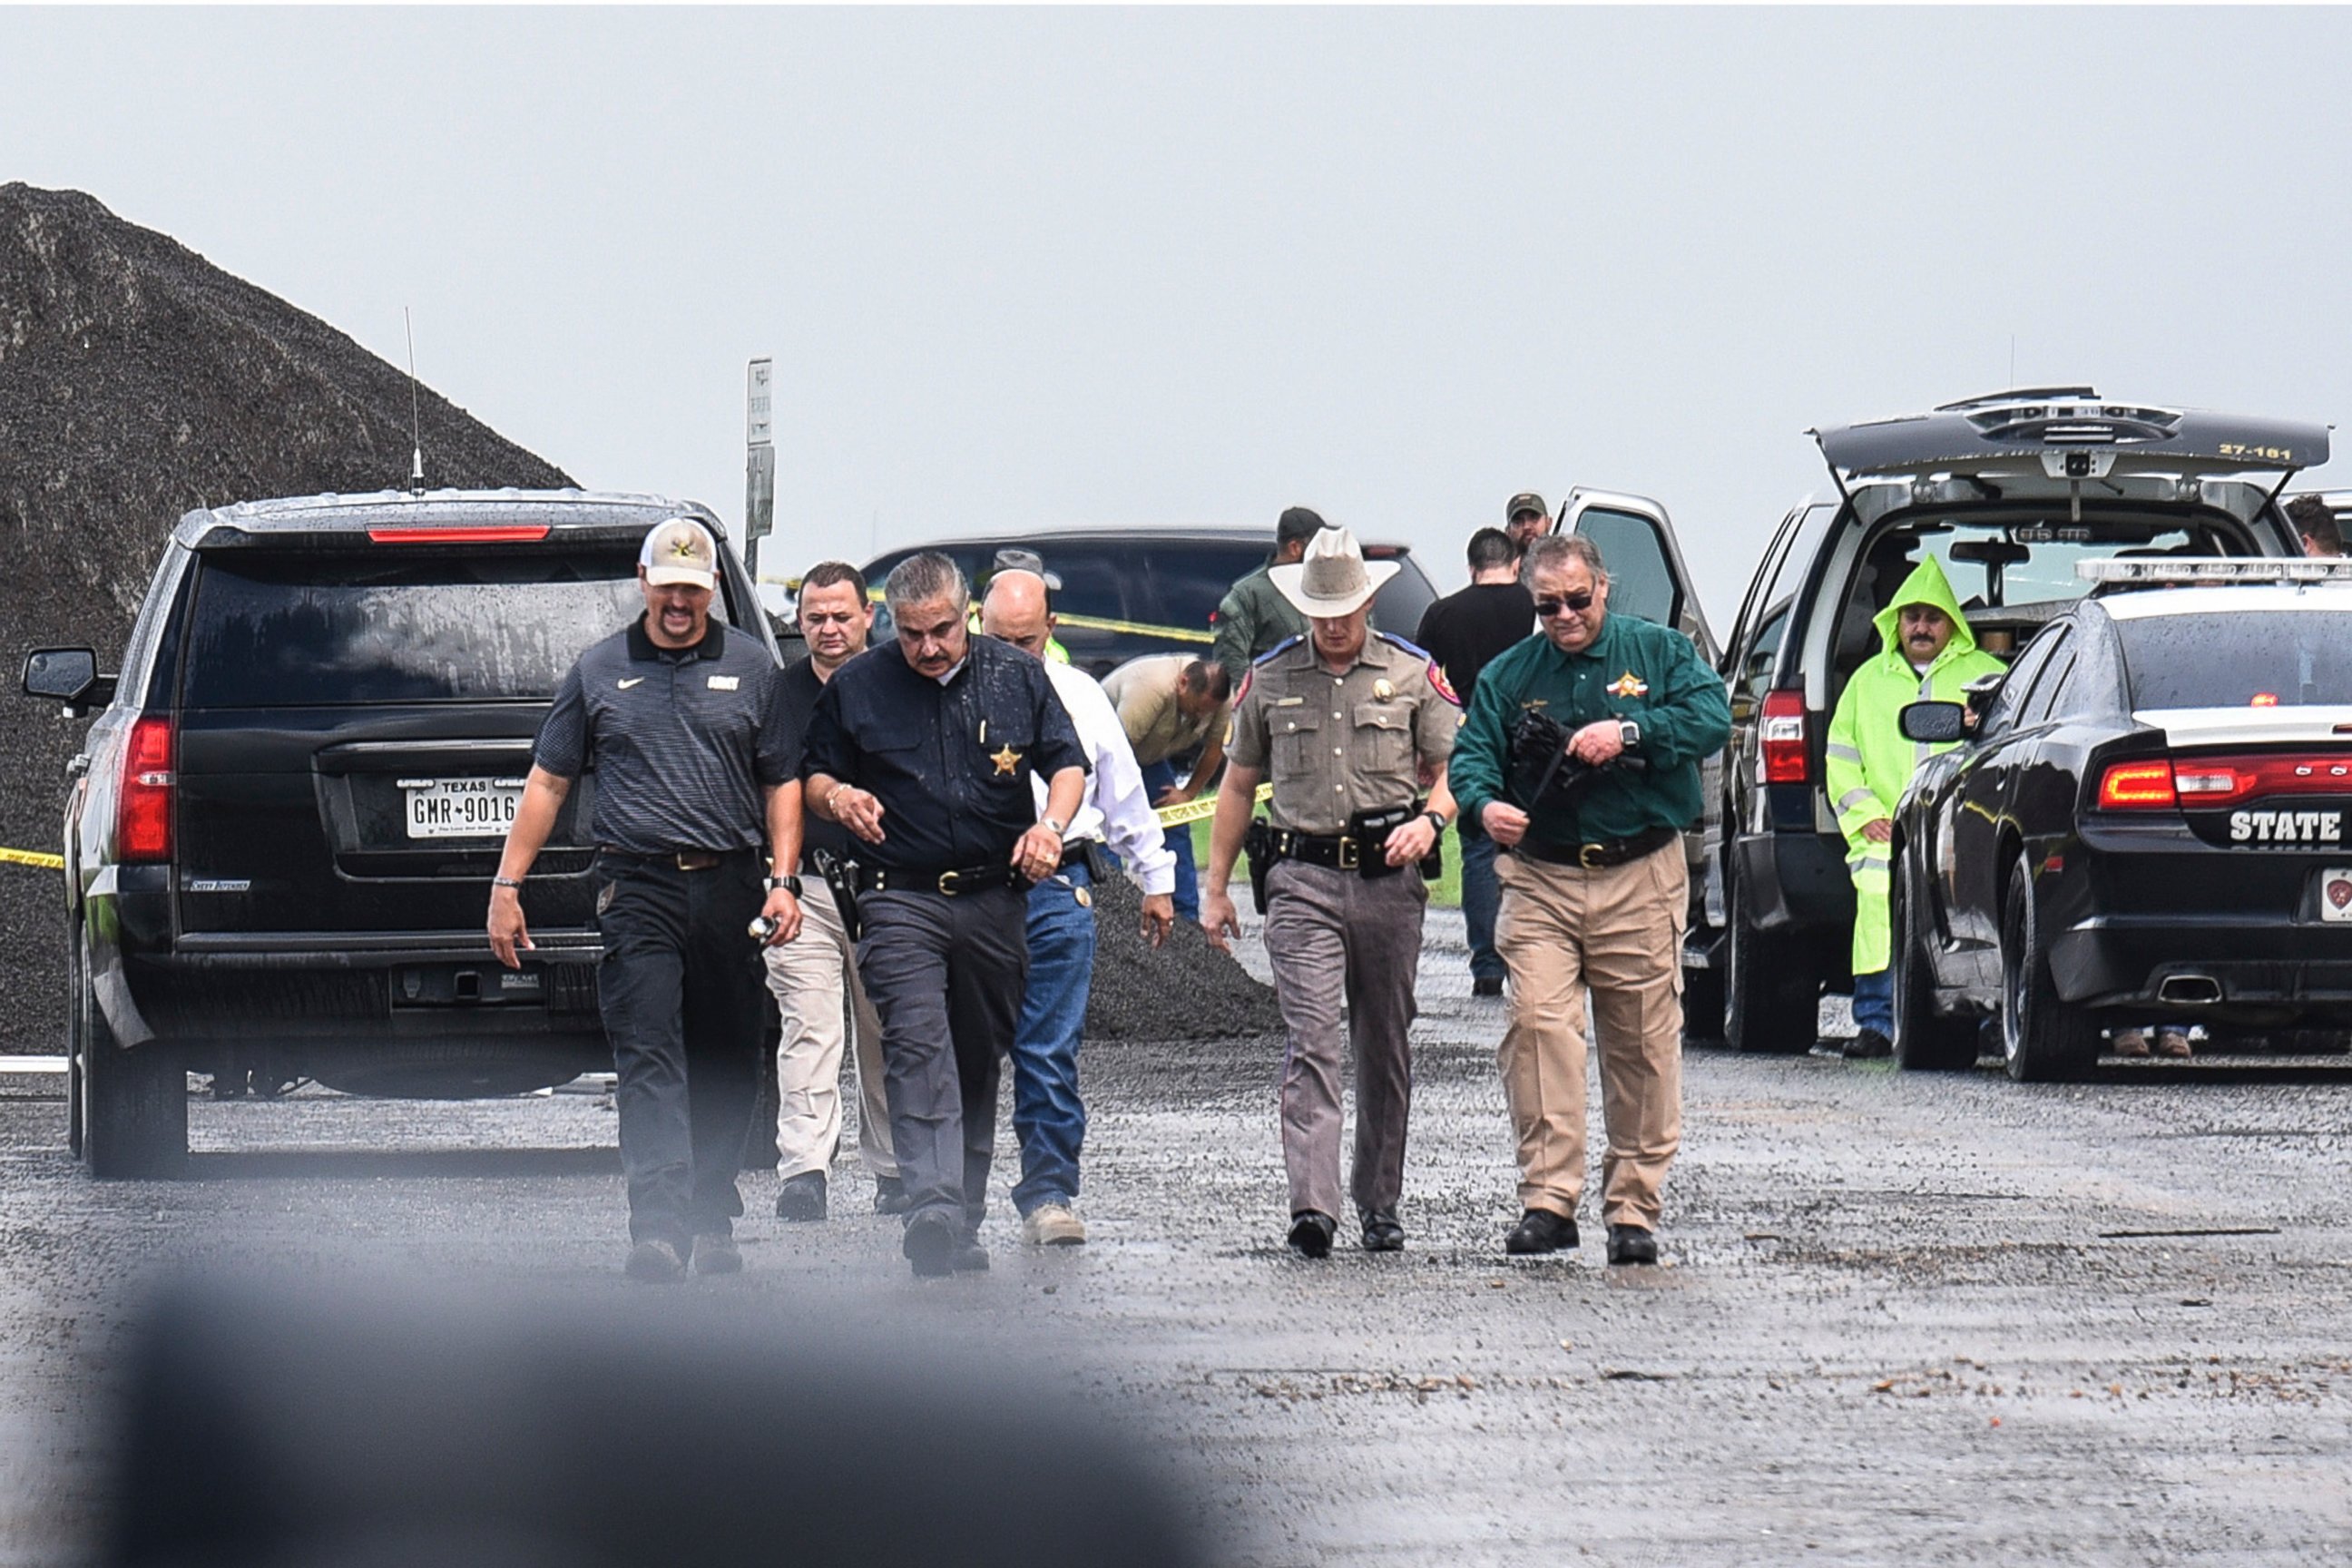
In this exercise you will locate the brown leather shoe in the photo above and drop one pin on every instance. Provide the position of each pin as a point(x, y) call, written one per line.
point(2172, 1043)
point(2130, 1043)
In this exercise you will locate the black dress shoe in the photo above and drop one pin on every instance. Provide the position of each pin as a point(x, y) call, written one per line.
point(1631, 1244)
point(890, 1195)
point(969, 1257)
point(1311, 1232)
point(1487, 985)
point(802, 1197)
point(1868, 1044)
point(1540, 1231)
point(1383, 1232)
point(929, 1245)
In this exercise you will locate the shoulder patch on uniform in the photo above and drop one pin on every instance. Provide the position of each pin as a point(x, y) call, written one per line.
point(1243, 689)
point(1285, 646)
point(1439, 684)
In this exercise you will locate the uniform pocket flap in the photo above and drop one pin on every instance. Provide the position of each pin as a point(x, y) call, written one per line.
point(1384, 715)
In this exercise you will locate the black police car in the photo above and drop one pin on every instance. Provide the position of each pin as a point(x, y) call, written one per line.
point(2150, 822)
point(2009, 492)
point(1127, 592)
point(279, 841)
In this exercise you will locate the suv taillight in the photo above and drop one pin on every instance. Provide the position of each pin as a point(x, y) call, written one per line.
point(142, 810)
point(1782, 734)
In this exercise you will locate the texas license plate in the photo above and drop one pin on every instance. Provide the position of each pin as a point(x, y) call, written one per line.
point(461, 808)
point(2336, 894)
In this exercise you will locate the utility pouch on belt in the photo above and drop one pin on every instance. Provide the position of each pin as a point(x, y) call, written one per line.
point(841, 875)
point(1257, 843)
point(1371, 830)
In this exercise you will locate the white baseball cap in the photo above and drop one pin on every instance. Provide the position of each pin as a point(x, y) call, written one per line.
point(680, 550)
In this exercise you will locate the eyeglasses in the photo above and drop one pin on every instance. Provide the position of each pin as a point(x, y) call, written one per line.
point(1575, 603)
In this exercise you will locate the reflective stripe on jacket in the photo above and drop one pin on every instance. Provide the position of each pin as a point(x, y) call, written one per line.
point(1870, 761)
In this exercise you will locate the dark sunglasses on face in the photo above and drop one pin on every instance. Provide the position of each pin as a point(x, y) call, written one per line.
point(1578, 603)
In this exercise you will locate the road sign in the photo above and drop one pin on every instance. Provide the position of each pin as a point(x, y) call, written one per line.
point(760, 467)
point(760, 493)
point(759, 408)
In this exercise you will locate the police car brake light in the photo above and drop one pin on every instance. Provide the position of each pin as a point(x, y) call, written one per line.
point(2251, 569)
point(2137, 786)
point(1786, 755)
point(2206, 783)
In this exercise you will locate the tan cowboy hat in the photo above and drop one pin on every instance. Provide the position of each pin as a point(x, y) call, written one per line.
point(1333, 579)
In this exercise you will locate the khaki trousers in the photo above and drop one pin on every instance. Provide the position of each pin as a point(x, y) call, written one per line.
point(809, 976)
point(1335, 937)
point(1618, 930)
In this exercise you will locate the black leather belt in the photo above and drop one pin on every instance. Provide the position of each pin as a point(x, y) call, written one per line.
point(1595, 856)
point(675, 859)
point(952, 884)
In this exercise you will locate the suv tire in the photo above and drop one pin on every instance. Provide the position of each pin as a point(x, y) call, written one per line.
point(2042, 1040)
point(1771, 1000)
point(1924, 1040)
point(131, 1106)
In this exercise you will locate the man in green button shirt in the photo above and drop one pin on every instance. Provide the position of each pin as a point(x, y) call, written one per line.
point(1593, 889)
point(1254, 616)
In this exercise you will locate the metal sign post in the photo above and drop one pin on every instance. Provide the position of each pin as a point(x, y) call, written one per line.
point(760, 466)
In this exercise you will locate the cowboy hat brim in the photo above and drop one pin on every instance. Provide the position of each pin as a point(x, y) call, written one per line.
point(1289, 582)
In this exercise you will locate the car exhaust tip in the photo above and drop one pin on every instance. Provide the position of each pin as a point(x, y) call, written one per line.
point(2188, 990)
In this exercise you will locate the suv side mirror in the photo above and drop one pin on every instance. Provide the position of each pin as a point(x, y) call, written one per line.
point(1933, 722)
point(67, 675)
point(1978, 693)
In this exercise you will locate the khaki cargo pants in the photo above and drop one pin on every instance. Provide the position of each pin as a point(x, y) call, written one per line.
point(1619, 931)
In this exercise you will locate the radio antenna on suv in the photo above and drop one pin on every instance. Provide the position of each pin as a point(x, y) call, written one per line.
point(415, 422)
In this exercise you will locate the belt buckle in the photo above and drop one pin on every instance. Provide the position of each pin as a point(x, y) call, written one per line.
point(1347, 853)
point(682, 858)
point(948, 882)
point(1588, 855)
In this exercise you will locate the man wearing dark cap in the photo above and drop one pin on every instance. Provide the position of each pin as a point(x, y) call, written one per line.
point(1524, 518)
point(1254, 617)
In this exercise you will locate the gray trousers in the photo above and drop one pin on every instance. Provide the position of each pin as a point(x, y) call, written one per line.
point(1331, 934)
point(946, 975)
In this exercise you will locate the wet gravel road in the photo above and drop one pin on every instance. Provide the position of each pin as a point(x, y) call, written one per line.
point(1946, 1319)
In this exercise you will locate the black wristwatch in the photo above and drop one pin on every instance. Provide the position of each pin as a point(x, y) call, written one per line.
point(790, 884)
point(1437, 820)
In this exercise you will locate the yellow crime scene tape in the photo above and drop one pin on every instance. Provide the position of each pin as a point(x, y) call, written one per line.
point(33, 857)
point(1137, 629)
point(1194, 810)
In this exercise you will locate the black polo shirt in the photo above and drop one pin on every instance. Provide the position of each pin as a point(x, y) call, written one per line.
point(1466, 629)
point(683, 741)
point(950, 763)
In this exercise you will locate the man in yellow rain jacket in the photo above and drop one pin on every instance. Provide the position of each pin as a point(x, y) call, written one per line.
point(1927, 654)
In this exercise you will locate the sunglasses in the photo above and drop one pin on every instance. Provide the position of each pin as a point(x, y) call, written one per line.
point(1575, 603)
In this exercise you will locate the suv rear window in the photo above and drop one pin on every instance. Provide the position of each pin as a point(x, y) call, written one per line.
point(341, 627)
point(2285, 658)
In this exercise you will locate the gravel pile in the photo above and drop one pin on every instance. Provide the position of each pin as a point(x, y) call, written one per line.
point(1186, 990)
point(138, 381)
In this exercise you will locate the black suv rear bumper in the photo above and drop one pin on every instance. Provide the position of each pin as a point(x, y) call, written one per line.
point(1794, 881)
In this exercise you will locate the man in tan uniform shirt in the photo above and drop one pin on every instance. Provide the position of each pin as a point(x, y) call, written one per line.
point(1348, 722)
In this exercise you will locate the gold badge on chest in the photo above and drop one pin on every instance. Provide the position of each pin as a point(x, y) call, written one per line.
point(1007, 760)
point(1629, 685)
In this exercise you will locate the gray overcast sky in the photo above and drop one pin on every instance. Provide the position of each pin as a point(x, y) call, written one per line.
point(1033, 268)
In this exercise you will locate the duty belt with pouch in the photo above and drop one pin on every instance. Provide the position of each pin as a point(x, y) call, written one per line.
point(841, 875)
point(1363, 848)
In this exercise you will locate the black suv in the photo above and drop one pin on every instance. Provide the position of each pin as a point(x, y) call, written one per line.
point(2008, 492)
point(1127, 592)
point(280, 840)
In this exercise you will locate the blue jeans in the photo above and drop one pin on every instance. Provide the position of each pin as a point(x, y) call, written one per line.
point(1874, 1001)
point(1480, 895)
point(1047, 1116)
point(1158, 776)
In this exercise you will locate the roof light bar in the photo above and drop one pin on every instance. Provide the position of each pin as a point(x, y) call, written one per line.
point(2257, 569)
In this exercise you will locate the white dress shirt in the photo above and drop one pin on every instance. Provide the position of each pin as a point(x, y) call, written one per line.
point(1117, 808)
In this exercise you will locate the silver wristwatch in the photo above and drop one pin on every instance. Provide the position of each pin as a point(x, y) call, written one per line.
point(1629, 733)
